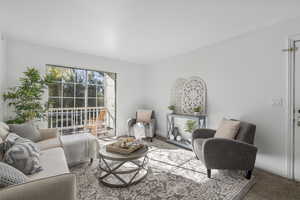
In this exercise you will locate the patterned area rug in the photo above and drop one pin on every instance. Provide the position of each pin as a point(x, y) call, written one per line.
point(174, 174)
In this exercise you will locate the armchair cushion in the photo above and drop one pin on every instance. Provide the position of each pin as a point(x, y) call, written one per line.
point(220, 153)
point(144, 116)
point(228, 129)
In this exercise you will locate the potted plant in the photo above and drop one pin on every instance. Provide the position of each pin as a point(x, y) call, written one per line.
point(197, 110)
point(26, 97)
point(190, 126)
point(171, 108)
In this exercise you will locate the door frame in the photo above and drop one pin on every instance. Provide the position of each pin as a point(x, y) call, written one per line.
point(290, 138)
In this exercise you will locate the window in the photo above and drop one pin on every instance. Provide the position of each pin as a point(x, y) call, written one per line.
point(81, 91)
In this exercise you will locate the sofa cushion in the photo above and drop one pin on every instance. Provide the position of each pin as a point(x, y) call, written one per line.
point(49, 143)
point(23, 155)
point(53, 162)
point(227, 129)
point(26, 130)
point(10, 175)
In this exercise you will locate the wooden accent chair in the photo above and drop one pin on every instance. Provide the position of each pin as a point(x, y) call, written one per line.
point(97, 125)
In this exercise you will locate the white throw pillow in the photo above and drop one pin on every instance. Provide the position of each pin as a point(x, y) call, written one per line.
point(228, 129)
point(3, 133)
point(4, 126)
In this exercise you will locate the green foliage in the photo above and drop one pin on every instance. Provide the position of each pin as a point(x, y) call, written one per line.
point(197, 109)
point(190, 126)
point(171, 107)
point(26, 98)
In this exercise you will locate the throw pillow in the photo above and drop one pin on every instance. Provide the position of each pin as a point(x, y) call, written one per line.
point(12, 139)
point(4, 126)
point(144, 116)
point(10, 176)
point(3, 133)
point(23, 155)
point(228, 129)
point(26, 130)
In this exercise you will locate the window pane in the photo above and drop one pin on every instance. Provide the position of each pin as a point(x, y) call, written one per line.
point(55, 72)
point(68, 75)
point(55, 90)
point(54, 103)
point(100, 102)
point(95, 77)
point(79, 103)
point(92, 102)
point(91, 91)
point(100, 91)
point(80, 90)
point(68, 102)
point(80, 76)
point(68, 90)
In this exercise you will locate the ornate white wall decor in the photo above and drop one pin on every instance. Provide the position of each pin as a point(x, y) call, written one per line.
point(188, 94)
point(176, 95)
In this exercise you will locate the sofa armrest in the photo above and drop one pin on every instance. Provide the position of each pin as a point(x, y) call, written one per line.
point(48, 133)
point(220, 153)
point(61, 187)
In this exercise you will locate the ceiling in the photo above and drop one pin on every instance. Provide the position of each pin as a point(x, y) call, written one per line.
point(139, 31)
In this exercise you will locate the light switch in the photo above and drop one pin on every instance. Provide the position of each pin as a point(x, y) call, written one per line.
point(277, 102)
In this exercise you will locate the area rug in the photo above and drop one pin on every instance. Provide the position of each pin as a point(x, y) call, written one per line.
point(174, 174)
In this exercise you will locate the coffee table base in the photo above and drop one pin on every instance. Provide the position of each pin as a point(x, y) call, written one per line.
point(138, 172)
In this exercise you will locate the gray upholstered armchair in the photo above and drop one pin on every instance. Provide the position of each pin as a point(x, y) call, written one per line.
point(220, 153)
point(143, 124)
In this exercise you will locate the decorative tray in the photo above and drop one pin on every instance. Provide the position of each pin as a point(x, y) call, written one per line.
point(124, 146)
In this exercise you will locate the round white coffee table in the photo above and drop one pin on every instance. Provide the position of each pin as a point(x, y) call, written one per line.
point(122, 170)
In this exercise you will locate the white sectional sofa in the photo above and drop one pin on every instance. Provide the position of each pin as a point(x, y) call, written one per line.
point(55, 180)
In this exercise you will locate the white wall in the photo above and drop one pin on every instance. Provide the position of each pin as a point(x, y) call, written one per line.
point(2, 71)
point(129, 76)
point(243, 75)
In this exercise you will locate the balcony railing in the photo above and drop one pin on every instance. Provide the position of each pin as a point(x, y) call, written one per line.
point(74, 120)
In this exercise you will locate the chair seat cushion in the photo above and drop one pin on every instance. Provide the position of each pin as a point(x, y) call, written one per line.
point(227, 129)
point(49, 143)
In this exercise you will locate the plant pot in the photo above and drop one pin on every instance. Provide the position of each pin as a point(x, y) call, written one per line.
point(196, 113)
point(171, 111)
point(178, 138)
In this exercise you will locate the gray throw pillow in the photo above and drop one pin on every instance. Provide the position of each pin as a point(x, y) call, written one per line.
point(10, 176)
point(12, 139)
point(26, 130)
point(22, 154)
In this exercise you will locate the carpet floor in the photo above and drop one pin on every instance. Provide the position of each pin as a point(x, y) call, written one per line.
point(174, 174)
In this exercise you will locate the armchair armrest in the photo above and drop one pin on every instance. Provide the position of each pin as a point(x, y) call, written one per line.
point(61, 187)
point(203, 133)
point(220, 153)
point(131, 122)
point(48, 133)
